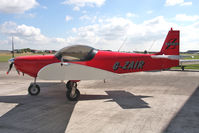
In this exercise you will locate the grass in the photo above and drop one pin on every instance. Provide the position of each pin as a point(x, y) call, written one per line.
point(4, 57)
point(191, 66)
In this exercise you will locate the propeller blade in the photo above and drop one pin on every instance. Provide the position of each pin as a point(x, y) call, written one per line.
point(13, 55)
point(18, 72)
point(10, 67)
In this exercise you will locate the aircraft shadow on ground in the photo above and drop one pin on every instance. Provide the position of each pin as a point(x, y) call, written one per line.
point(51, 112)
point(187, 119)
point(36, 115)
point(125, 100)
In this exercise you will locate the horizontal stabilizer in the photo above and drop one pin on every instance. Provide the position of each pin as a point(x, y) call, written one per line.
point(172, 57)
point(192, 60)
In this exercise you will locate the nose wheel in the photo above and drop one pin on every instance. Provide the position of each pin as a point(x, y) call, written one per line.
point(34, 89)
point(72, 92)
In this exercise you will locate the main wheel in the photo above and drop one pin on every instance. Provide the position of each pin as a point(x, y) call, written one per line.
point(68, 85)
point(34, 89)
point(74, 97)
point(182, 67)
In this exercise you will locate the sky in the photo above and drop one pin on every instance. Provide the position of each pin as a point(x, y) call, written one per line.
point(103, 24)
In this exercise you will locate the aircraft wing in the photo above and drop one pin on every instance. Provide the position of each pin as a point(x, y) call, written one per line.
point(72, 71)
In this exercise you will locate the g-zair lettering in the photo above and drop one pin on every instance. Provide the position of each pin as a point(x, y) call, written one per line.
point(129, 65)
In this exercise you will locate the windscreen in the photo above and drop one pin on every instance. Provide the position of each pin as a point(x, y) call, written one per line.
point(76, 53)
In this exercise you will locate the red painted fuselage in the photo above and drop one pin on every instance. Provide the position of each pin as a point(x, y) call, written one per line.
point(111, 61)
point(116, 62)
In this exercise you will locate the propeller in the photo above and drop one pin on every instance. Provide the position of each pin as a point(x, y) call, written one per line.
point(11, 61)
point(13, 52)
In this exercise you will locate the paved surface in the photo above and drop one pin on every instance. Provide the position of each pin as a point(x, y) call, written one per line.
point(146, 102)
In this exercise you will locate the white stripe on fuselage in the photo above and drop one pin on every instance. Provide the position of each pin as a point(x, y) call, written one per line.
point(71, 71)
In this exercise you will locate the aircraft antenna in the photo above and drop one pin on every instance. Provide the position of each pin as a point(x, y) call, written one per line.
point(122, 44)
point(152, 45)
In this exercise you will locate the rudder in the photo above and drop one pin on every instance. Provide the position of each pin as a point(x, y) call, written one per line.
point(171, 43)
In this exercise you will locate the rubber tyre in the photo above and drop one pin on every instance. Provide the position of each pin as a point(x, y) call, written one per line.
point(182, 68)
point(68, 86)
point(75, 98)
point(34, 90)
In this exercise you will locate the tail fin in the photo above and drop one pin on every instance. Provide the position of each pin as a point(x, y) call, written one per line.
point(171, 43)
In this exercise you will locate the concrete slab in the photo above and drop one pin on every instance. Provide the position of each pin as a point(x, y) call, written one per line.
point(147, 102)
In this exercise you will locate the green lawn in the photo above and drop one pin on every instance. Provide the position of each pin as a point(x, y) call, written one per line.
point(193, 66)
point(4, 57)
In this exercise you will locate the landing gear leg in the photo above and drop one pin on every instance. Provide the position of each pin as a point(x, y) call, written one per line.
point(34, 88)
point(182, 67)
point(72, 92)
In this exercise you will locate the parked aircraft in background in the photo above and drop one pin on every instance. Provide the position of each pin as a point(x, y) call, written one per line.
point(79, 62)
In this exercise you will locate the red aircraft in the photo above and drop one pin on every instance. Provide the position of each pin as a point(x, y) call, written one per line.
point(79, 62)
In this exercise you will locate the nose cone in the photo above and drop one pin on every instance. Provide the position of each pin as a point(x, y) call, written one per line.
point(26, 64)
point(32, 64)
point(10, 61)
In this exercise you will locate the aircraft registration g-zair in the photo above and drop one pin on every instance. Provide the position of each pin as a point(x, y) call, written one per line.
point(79, 62)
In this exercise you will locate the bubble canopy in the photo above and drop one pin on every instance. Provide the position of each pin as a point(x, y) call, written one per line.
point(76, 53)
